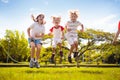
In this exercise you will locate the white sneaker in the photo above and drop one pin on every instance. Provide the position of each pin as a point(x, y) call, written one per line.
point(37, 65)
point(31, 64)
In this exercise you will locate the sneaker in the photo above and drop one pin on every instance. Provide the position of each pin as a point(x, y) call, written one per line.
point(37, 65)
point(31, 64)
point(61, 54)
point(52, 58)
point(69, 59)
point(75, 54)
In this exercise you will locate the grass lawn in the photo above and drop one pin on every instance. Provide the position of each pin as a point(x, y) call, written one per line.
point(72, 73)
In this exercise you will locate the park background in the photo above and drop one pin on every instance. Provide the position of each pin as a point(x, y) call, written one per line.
point(100, 19)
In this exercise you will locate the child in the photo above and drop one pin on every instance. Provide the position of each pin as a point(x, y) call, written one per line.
point(57, 31)
point(117, 34)
point(71, 33)
point(35, 33)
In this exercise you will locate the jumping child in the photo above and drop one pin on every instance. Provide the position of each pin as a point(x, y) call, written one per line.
point(35, 33)
point(57, 31)
point(71, 33)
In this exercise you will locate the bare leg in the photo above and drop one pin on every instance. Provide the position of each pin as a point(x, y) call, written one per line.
point(71, 49)
point(60, 46)
point(32, 44)
point(38, 51)
point(76, 46)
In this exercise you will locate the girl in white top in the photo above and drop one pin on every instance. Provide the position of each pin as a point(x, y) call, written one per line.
point(57, 31)
point(71, 34)
point(35, 33)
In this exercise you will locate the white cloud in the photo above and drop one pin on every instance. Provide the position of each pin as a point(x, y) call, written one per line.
point(107, 23)
point(105, 20)
point(5, 1)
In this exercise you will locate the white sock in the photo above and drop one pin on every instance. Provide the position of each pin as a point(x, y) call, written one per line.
point(32, 59)
point(36, 60)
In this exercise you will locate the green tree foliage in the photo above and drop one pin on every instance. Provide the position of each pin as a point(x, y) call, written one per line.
point(16, 45)
point(94, 46)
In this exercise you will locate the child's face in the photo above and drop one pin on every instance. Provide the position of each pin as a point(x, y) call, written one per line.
point(56, 21)
point(41, 17)
point(73, 17)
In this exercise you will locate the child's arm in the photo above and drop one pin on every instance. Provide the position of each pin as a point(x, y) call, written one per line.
point(67, 29)
point(80, 24)
point(82, 27)
point(33, 18)
point(62, 30)
point(28, 31)
point(116, 36)
point(62, 35)
point(50, 33)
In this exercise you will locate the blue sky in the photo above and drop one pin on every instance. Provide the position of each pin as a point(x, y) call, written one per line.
point(96, 14)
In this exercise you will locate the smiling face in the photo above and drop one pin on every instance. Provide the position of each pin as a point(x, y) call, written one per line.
point(40, 18)
point(56, 20)
point(73, 16)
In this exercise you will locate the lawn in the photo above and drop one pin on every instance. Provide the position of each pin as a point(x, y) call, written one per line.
point(71, 73)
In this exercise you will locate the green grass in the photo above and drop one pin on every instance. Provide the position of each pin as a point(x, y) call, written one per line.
point(86, 73)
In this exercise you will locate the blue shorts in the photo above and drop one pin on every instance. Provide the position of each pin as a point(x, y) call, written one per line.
point(36, 41)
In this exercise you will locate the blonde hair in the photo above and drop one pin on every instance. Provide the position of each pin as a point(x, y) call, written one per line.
point(56, 17)
point(73, 12)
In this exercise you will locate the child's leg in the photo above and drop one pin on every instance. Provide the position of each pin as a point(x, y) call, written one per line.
point(54, 46)
point(53, 55)
point(32, 44)
point(60, 46)
point(53, 51)
point(71, 49)
point(38, 46)
point(71, 42)
point(76, 46)
point(60, 52)
point(38, 51)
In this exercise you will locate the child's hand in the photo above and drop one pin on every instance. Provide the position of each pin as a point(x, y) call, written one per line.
point(68, 29)
point(81, 30)
point(30, 37)
point(33, 18)
point(62, 37)
point(49, 34)
point(37, 35)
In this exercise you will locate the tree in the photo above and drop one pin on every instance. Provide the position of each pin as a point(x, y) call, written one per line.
point(15, 45)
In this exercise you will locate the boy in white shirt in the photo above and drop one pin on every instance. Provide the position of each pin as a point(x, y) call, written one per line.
point(57, 31)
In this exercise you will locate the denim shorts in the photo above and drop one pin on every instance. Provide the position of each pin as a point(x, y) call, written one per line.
point(36, 41)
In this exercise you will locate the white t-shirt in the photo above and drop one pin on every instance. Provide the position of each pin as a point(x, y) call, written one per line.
point(36, 29)
point(73, 26)
point(57, 32)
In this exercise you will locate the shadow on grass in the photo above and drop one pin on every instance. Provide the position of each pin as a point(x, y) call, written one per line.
point(92, 72)
point(54, 72)
point(31, 71)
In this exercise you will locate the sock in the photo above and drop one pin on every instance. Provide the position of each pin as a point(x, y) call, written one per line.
point(32, 59)
point(36, 60)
